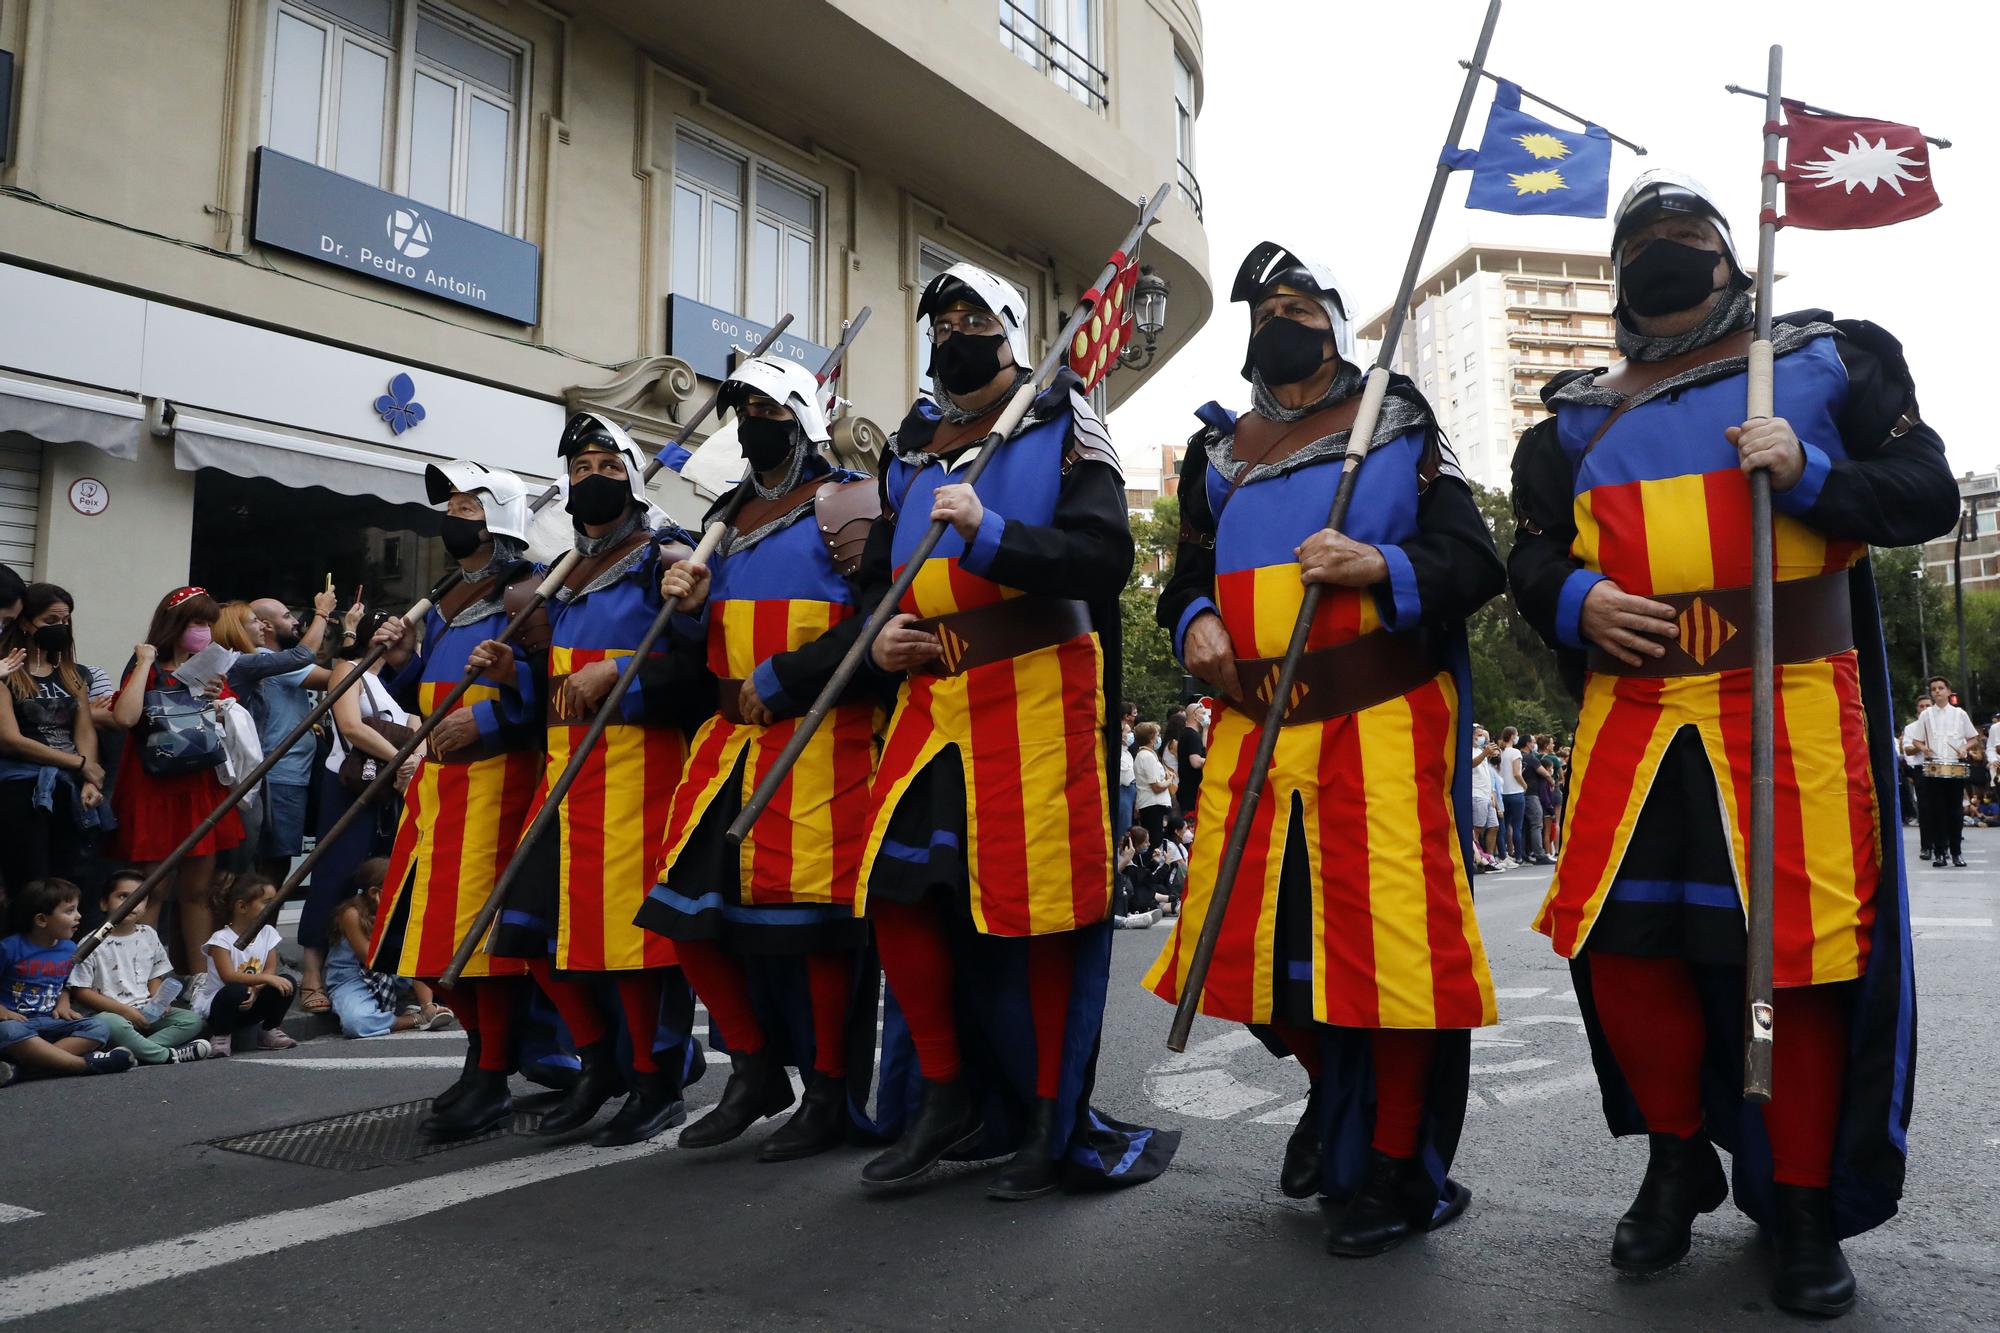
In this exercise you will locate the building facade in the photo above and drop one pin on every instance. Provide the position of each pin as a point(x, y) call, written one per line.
point(1487, 330)
point(261, 260)
point(1975, 542)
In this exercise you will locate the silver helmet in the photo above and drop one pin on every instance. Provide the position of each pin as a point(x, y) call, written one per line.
point(1268, 264)
point(1659, 194)
point(501, 493)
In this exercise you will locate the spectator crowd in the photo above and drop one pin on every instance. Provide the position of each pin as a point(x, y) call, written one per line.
point(102, 778)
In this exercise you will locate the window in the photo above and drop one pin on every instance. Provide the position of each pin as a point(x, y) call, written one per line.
point(745, 237)
point(406, 97)
point(1184, 131)
point(1061, 38)
point(933, 259)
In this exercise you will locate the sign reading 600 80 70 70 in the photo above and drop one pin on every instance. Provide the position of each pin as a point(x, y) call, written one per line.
point(338, 220)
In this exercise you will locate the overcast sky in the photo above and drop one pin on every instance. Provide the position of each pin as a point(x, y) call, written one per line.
point(1321, 123)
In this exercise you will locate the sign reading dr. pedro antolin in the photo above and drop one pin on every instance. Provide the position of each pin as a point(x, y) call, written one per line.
point(338, 220)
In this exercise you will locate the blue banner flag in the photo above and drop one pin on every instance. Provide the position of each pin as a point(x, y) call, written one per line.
point(1525, 165)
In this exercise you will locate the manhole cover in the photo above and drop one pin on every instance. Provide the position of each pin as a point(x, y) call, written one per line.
point(361, 1140)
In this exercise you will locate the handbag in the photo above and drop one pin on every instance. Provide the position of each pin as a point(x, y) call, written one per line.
point(357, 769)
point(182, 734)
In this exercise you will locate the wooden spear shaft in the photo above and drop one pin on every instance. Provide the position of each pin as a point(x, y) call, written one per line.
point(1358, 440)
point(386, 774)
point(704, 551)
point(857, 652)
point(1758, 1011)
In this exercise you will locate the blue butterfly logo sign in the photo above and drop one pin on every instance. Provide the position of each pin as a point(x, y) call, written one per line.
point(399, 407)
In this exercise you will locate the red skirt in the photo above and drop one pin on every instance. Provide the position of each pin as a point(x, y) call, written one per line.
point(154, 814)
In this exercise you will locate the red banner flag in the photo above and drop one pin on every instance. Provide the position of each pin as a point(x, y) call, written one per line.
point(1842, 173)
point(1095, 349)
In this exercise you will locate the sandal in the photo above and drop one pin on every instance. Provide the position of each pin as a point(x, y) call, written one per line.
point(311, 993)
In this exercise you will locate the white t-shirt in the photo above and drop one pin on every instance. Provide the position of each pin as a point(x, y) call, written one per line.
point(1909, 739)
point(1147, 770)
point(1943, 727)
point(261, 956)
point(1993, 745)
point(375, 702)
point(1482, 774)
point(1510, 785)
point(1125, 778)
point(123, 967)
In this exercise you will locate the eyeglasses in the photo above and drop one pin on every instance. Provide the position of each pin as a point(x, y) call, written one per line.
point(978, 323)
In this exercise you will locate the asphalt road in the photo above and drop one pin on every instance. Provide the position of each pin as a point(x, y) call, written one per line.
point(115, 1214)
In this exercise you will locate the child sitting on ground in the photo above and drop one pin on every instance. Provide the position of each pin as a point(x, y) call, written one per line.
point(244, 986)
point(122, 982)
point(370, 1003)
point(39, 1030)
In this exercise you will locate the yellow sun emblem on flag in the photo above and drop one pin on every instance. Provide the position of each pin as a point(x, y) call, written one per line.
point(1536, 182)
point(1542, 146)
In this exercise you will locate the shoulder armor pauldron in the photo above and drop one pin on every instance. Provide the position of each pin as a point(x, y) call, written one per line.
point(845, 512)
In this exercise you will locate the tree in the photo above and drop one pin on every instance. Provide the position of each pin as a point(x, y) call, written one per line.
point(1514, 677)
point(1153, 678)
point(1907, 602)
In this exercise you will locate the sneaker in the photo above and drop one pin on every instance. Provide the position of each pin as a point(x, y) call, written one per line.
point(275, 1039)
point(198, 1049)
point(439, 1020)
point(108, 1062)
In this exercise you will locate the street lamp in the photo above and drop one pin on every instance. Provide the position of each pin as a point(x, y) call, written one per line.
point(1923, 644)
point(1149, 314)
point(1968, 530)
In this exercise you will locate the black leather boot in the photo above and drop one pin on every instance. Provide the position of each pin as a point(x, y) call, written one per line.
point(1395, 1201)
point(1036, 1168)
point(820, 1123)
point(485, 1104)
point(1812, 1274)
point(757, 1087)
point(947, 1120)
point(1299, 1176)
point(653, 1105)
point(1684, 1179)
point(466, 1077)
point(599, 1082)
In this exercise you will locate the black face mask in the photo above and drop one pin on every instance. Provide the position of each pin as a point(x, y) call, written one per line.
point(1667, 277)
point(967, 362)
point(462, 536)
point(767, 444)
point(1285, 351)
point(52, 639)
point(598, 498)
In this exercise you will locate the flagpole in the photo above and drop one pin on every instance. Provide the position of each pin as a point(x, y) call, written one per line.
point(1757, 980)
point(1559, 110)
point(1358, 440)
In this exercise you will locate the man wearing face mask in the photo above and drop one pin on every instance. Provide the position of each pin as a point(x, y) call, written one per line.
point(570, 912)
point(273, 683)
point(1633, 560)
point(766, 933)
point(988, 866)
point(1349, 940)
point(468, 797)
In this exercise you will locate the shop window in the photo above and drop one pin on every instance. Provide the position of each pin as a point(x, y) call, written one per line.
point(410, 98)
point(746, 237)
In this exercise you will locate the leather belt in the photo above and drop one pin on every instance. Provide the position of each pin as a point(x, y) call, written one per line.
point(1810, 619)
point(1004, 630)
point(1333, 682)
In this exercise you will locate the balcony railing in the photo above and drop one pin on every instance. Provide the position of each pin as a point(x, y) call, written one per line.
point(1189, 186)
point(1070, 69)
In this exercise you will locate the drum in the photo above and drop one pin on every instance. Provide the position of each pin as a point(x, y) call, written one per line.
point(1942, 769)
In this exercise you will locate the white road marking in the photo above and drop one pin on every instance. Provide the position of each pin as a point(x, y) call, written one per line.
point(1288, 1114)
point(1204, 1054)
point(1521, 1066)
point(118, 1271)
point(1209, 1094)
point(1547, 1088)
point(1947, 922)
point(1539, 1020)
point(15, 1213)
point(361, 1062)
point(1519, 992)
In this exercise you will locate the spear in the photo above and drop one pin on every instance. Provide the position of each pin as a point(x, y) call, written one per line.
point(1358, 441)
point(386, 774)
point(1758, 1010)
point(711, 538)
point(1010, 417)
